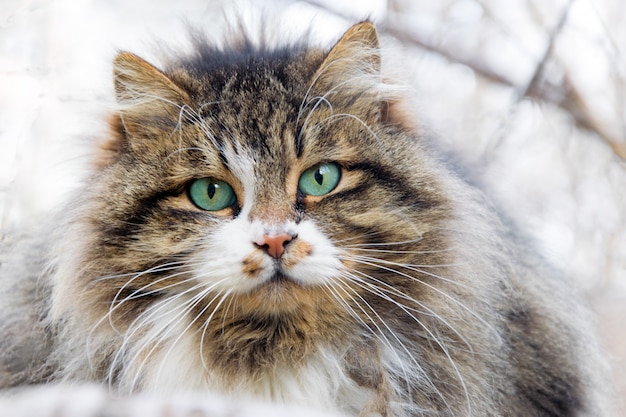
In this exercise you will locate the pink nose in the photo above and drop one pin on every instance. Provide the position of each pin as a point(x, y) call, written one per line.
point(274, 245)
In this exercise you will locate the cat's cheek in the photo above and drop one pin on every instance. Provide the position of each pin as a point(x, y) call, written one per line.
point(315, 271)
point(320, 264)
point(229, 262)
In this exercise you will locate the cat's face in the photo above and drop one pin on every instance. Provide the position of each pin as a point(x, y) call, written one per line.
point(266, 202)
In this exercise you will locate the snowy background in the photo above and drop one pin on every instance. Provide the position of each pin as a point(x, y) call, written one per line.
point(532, 92)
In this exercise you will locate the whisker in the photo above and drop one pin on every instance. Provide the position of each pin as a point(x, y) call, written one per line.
point(140, 324)
point(161, 332)
point(193, 321)
point(439, 291)
point(157, 268)
point(205, 327)
point(376, 290)
point(377, 262)
point(381, 333)
point(432, 336)
point(340, 116)
point(400, 252)
point(319, 101)
point(361, 236)
point(116, 303)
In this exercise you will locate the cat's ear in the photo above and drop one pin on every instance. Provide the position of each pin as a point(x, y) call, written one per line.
point(352, 67)
point(357, 50)
point(149, 101)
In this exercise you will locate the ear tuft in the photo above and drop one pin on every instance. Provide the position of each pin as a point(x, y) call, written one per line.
point(136, 80)
point(150, 102)
point(350, 79)
point(355, 56)
point(360, 41)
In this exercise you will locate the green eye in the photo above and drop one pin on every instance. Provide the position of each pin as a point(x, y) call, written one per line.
point(211, 194)
point(320, 179)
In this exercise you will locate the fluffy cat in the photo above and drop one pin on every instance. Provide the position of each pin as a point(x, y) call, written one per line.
point(269, 223)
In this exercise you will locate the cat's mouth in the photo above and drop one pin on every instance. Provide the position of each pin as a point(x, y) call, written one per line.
point(277, 294)
point(281, 293)
point(280, 284)
point(280, 279)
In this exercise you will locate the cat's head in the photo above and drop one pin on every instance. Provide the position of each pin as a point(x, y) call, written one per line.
point(270, 197)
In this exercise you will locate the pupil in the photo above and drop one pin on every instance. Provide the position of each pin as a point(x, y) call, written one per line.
point(211, 189)
point(319, 177)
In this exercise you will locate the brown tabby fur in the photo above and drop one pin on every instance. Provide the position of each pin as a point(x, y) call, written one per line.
point(439, 307)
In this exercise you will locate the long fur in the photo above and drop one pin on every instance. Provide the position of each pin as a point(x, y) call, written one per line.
point(402, 292)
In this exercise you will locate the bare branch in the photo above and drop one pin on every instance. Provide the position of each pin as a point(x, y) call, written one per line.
point(536, 78)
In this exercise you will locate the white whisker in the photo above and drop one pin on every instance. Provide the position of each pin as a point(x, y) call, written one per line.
point(381, 333)
point(140, 324)
point(200, 297)
point(375, 290)
point(205, 326)
point(152, 316)
point(373, 262)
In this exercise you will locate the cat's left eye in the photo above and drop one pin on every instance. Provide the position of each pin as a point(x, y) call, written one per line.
point(211, 194)
point(320, 179)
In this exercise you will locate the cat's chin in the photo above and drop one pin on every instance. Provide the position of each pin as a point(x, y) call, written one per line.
point(279, 294)
point(280, 279)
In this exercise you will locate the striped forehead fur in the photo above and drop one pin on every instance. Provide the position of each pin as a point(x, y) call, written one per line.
point(356, 67)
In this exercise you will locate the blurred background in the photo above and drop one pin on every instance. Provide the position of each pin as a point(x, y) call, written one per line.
point(532, 93)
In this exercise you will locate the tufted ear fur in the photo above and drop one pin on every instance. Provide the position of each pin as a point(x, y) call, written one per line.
point(350, 77)
point(149, 101)
point(357, 53)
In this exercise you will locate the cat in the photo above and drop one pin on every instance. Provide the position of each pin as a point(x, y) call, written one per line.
point(271, 223)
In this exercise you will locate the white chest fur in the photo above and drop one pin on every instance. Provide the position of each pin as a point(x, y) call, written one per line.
point(320, 383)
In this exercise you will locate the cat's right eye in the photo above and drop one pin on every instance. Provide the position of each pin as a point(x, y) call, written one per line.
point(211, 194)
